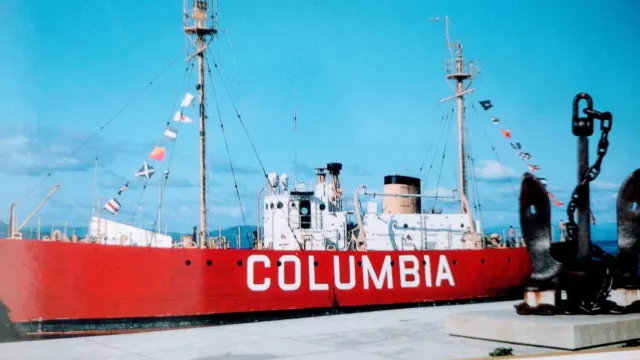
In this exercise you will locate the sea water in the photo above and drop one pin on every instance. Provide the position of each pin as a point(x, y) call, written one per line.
point(609, 246)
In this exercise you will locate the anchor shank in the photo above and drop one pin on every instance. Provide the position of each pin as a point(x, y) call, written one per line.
point(584, 232)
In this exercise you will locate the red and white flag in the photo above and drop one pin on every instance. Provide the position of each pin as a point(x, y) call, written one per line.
point(179, 117)
point(113, 206)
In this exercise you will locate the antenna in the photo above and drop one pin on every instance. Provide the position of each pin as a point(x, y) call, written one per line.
point(200, 24)
point(95, 205)
point(163, 183)
point(458, 73)
point(295, 140)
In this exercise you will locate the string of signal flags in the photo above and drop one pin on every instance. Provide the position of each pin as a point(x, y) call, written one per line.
point(517, 147)
point(157, 154)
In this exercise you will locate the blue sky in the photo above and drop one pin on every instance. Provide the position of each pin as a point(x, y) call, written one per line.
point(369, 77)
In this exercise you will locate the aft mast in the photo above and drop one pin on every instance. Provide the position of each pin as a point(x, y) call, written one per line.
point(456, 73)
point(200, 25)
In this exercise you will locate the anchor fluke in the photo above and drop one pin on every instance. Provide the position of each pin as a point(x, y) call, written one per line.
point(628, 212)
point(535, 222)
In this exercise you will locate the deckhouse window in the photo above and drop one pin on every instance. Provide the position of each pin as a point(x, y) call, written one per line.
point(305, 214)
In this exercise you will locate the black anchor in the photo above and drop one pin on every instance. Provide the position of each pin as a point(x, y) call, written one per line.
point(583, 270)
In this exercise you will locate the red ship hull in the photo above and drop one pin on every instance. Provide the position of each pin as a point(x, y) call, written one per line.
point(54, 281)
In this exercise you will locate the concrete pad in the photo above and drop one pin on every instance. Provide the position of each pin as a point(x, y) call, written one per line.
point(608, 354)
point(414, 333)
point(570, 332)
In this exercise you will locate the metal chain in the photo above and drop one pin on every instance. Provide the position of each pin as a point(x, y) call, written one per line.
point(594, 170)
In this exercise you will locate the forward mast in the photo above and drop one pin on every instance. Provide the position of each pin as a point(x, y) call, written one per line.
point(200, 25)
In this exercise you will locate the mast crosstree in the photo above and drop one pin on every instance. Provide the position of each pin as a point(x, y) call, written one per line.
point(200, 26)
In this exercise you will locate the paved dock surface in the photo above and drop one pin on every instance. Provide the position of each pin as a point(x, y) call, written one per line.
point(416, 333)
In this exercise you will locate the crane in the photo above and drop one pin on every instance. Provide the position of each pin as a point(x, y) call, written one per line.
point(14, 233)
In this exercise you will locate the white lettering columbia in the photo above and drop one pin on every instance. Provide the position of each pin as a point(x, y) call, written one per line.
point(408, 265)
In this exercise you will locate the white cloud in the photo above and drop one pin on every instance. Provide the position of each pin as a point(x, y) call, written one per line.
point(24, 154)
point(32, 150)
point(494, 171)
point(444, 192)
point(614, 195)
point(604, 185)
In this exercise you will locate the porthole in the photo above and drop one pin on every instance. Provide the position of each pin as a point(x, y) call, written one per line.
point(266, 206)
point(461, 225)
point(280, 205)
point(271, 206)
point(322, 207)
point(304, 211)
point(293, 205)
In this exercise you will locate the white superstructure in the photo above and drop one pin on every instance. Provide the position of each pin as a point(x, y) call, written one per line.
point(111, 232)
point(310, 217)
point(307, 217)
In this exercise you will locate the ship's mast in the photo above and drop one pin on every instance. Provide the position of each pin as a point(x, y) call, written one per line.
point(200, 27)
point(456, 72)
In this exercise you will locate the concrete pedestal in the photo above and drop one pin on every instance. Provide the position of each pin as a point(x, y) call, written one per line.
point(570, 332)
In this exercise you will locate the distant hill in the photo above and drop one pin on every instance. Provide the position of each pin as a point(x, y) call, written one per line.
point(230, 233)
point(599, 232)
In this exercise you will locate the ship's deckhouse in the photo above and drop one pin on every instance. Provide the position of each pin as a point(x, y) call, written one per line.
point(307, 217)
point(310, 217)
point(404, 225)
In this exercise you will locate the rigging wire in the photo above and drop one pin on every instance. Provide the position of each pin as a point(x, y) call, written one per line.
point(187, 74)
point(233, 60)
point(104, 125)
point(444, 154)
point(237, 111)
point(235, 107)
point(226, 144)
point(435, 153)
point(472, 167)
point(439, 128)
